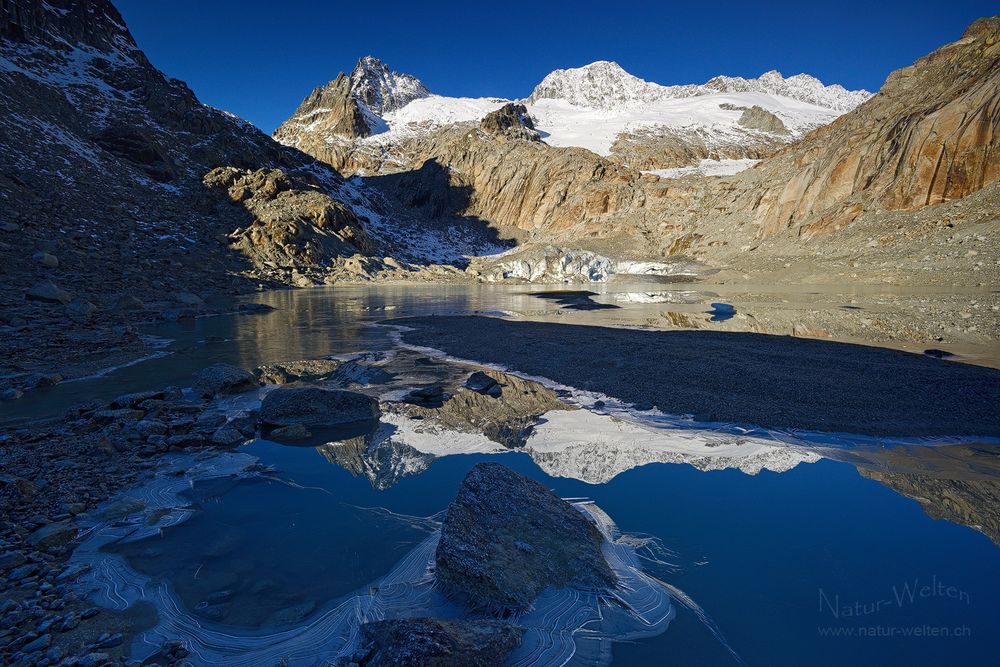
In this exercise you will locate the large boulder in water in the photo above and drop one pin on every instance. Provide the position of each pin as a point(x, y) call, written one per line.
point(220, 379)
point(314, 406)
point(506, 538)
point(422, 642)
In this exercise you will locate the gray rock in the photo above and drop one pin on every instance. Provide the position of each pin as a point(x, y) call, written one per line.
point(220, 379)
point(52, 535)
point(9, 559)
point(127, 302)
point(189, 299)
point(37, 645)
point(121, 415)
point(482, 383)
point(81, 308)
point(758, 118)
point(47, 291)
point(133, 400)
point(227, 436)
point(506, 538)
point(313, 406)
point(438, 642)
point(46, 260)
point(148, 427)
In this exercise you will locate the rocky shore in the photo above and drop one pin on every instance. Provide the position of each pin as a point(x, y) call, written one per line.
point(57, 470)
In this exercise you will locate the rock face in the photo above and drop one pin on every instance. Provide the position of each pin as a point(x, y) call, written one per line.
point(313, 406)
point(382, 90)
point(334, 107)
point(220, 379)
point(294, 222)
point(928, 136)
point(506, 538)
point(431, 642)
point(511, 120)
point(758, 118)
point(501, 406)
point(350, 106)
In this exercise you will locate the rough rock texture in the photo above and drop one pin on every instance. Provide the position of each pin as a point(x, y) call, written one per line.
point(313, 406)
point(333, 106)
point(506, 538)
point(294, 223)
point(220, 379)
point(504, 411)
point(510, 120)
point(432, 642)
point(758, 118)
point(927, 137)
point(670, 148)
point(382, 90)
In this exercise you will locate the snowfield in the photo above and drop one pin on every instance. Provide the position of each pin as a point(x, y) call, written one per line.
point(589, 107)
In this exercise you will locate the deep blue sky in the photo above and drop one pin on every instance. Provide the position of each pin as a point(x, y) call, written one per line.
point(259, 59)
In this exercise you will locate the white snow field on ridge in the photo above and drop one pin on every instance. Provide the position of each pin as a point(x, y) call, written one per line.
point(589, 107)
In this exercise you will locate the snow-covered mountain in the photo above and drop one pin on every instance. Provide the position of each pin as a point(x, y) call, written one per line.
point(603, 85)
point(606, 85)
point(600, 107)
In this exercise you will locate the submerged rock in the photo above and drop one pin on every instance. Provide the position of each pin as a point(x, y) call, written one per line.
point(506, 538)
point(313, 406)
point(223, 379)
point(434, 642)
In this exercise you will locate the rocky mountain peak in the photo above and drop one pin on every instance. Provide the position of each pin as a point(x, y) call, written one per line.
point(802, 87)
point(381, 89)
point(93, 23)
point(599, 85)
point(606, 85)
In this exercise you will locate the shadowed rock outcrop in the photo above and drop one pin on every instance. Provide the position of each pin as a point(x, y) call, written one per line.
point(432, 642)
point(506, 538)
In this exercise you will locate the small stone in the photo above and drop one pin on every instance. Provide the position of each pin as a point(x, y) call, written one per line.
point(109, 640)
point(52, 535)
point(223, 379)
point(189, 299)
point(37, 645)
point(90, 612)
point(45, 259)
point(227, 436)
point(10, 559)
point(81, 308)
point(48, 292)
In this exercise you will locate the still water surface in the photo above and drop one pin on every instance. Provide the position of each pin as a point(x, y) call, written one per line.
point(814, 561)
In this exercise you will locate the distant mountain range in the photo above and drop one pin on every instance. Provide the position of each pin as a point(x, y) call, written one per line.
point(588, 107)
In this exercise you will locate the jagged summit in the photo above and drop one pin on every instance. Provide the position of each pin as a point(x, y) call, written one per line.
point(599, 85)
point(606, 85)
point(381, 89)
point(802, 87)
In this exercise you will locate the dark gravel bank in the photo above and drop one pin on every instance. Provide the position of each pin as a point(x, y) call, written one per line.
point(771, 381)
